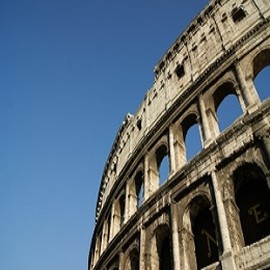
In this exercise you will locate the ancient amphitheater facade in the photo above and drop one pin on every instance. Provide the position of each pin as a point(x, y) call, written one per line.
point(213, 210)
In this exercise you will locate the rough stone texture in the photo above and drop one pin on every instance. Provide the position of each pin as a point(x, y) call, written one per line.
point(144, 224)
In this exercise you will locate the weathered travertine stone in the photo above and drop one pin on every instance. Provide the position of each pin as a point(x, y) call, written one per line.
point(213, 210)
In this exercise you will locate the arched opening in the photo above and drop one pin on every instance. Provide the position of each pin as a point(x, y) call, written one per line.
point(139, 188)
point(227, 105)
point(164, 170)
point(238, 14)
point(262, 83)
point(122, 200)
point(206, 244)
point(135, 195)
point(192, 137)
point(134, 259)
point(164, 248)
point(228, 111)
point(252, 196)
point(165, 254)
point(118, 214)
point(114, 264)
point(261, 73)
point(193, 142)
point(200, 224)
point(163, 164)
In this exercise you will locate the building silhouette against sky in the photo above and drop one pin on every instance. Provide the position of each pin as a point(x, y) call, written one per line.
point(165, 203)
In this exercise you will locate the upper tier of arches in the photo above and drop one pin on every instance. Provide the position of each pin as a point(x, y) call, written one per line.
point(198, 90)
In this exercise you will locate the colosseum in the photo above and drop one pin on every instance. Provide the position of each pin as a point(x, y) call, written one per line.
point(210, 210)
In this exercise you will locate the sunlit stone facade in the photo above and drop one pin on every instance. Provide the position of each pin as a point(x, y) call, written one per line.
point(211, 210)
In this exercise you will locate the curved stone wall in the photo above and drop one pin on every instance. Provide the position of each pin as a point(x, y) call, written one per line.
point(197, 215)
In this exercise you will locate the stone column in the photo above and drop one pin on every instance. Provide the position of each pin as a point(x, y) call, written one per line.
point(132, 203)
point(111, 234)
point(175, 238)
point(241, 100)
point(204, 120)
point(127, 202)
point(97, 249)
point(179, 148)
point(227, 256)
point(265, 142)
point(249, 93)
point(103, 237)
point(115, 221)
point(146, 177)
point(213, 122)
point(151, 177)
point(188, 249)
point(121, 261)
point(142, 250)
point(172, 150)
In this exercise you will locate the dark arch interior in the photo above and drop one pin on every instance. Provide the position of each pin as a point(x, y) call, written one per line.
point(134, 260)
point(206, 243)
point(164, 248)
point(252, 197)
point(139, 188)
point(122, 209)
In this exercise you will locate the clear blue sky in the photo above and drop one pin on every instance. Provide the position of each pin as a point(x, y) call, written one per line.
point(70, 70)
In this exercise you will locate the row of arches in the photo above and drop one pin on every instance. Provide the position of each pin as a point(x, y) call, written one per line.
point(199, 234)
point(211, 113)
